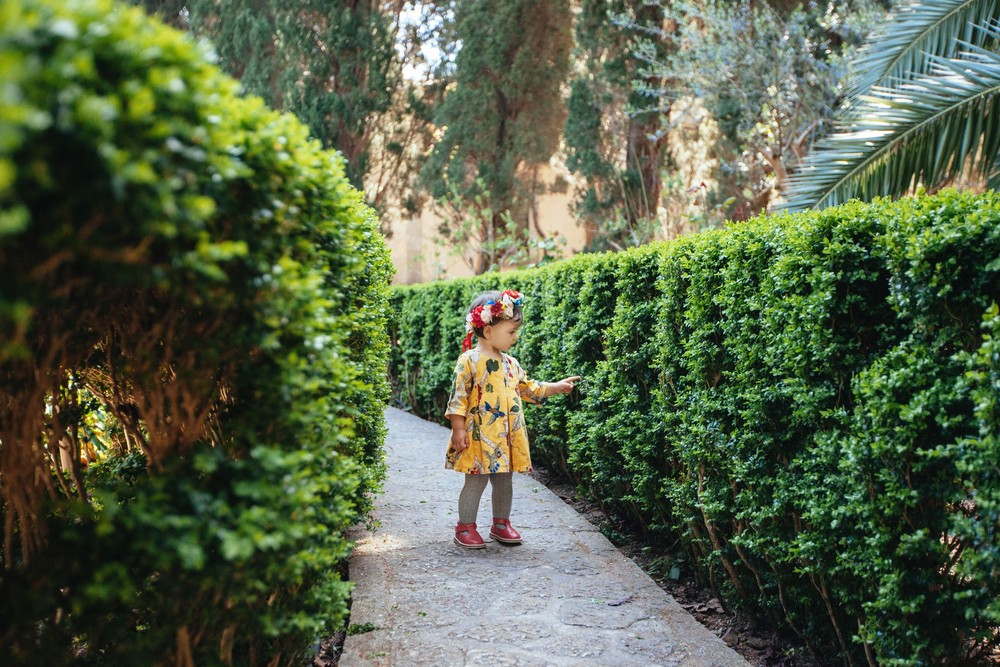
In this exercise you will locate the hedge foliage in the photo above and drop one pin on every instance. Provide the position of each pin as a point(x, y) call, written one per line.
point(193, 300)
point(807, 403)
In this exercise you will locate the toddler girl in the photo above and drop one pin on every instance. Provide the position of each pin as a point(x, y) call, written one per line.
point(488, 438)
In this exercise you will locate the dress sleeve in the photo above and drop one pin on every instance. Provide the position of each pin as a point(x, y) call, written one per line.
point(530, 390)
point(461, 390)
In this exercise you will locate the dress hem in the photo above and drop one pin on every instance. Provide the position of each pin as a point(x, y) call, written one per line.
point(522, 471)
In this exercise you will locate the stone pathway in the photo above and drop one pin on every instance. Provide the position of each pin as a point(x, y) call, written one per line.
point(564, 597)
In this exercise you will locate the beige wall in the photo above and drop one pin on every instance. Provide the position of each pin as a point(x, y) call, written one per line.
point(419, 257)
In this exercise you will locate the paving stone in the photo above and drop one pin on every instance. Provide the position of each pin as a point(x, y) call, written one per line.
point(503, 657)
point(543, 603)
point(491, 630)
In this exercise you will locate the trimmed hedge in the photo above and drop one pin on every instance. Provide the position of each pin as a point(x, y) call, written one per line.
point(807, 403)
point(194, 299)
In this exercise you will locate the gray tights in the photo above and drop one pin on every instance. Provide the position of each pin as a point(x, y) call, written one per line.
point(472, 492)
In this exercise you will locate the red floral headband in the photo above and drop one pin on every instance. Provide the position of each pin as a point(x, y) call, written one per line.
point(489, 312)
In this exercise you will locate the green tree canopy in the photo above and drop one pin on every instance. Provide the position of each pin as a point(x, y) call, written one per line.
point(330, 62)
point(622, 188)
point(503, 116)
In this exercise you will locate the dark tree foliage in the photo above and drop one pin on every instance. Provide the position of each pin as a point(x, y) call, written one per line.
point(504, 116)
point(613, 140)
point(171, 12)
point(330, 62)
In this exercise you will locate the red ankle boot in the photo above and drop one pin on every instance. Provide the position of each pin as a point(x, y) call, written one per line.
point(467, 536)
point(505, 532)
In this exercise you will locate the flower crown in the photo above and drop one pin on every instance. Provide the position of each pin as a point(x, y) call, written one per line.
point(490, 312)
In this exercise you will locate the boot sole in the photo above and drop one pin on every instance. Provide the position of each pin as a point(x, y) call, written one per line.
point(504, 540)
point(469, 546)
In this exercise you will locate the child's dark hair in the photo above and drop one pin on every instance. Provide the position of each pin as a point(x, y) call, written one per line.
point(485, 298)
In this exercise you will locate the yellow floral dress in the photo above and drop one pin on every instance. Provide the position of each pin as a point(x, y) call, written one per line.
point(488, 393)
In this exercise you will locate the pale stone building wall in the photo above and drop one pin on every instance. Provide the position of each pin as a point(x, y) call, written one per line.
point(419, 256)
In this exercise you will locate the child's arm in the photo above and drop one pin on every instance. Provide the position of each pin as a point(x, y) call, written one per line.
point(459, 401)
point(564, 386)
point(458, 405)
point(459, 436)
point(534, 391)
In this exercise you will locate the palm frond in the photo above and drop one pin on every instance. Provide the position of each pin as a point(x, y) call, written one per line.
point(924, 130)
point(904, 47)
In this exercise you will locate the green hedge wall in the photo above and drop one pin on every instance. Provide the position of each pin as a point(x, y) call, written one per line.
point(807, 403)
point(194, 300)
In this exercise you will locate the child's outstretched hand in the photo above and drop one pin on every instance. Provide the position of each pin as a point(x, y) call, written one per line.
point(564, 386)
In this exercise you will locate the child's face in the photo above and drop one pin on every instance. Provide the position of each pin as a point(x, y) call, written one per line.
point(503, 334)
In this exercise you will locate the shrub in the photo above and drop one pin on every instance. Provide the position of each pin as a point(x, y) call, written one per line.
point(194, 295)
point(806, 403)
